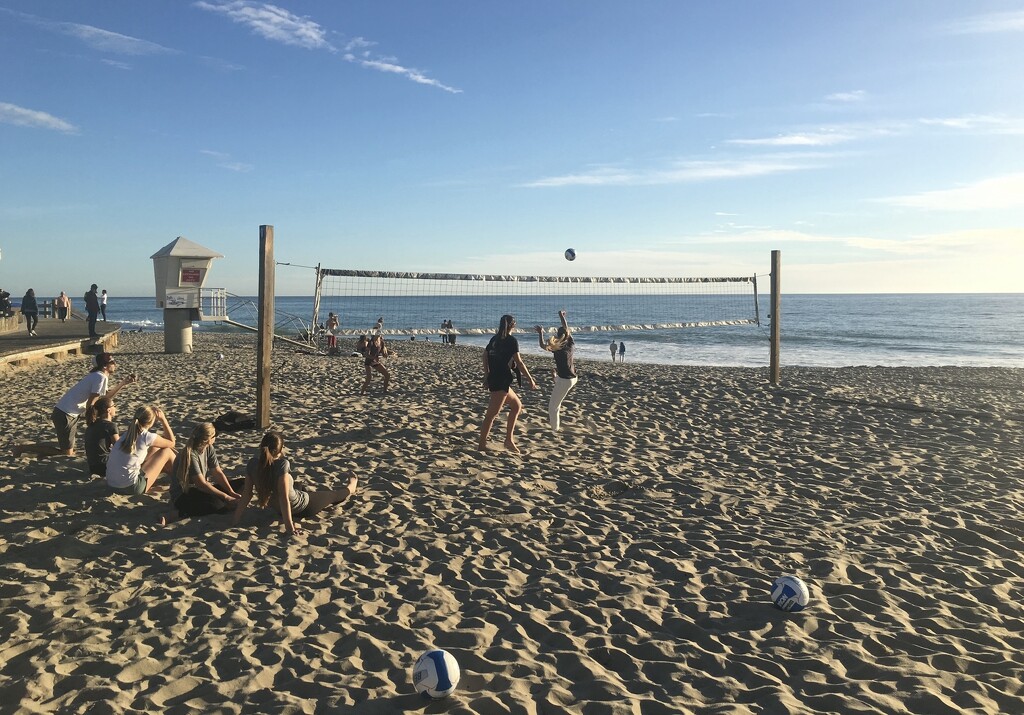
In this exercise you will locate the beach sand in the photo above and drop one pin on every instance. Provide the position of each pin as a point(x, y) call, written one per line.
point(620, 566)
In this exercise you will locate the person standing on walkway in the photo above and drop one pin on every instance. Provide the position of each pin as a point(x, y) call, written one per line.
point(92, 307)
point(63, 306)
point(30, 309)
point(103, 304)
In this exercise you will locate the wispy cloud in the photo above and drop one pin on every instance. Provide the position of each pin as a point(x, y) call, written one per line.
point(1012, 21)
point(272, 23)
point(827, 135)
point(681, 172)
point(280, 25)
point(365, 58)
point(22, 117)
point(225, 161)
point(95, 37)
point(116, 63)
point(985, 123)
point(857, 95)
point(1000, 192)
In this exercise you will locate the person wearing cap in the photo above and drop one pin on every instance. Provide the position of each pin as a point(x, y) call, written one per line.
point(73, 404)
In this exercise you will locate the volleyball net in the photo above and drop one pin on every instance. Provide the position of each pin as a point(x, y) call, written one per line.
point(418, 303)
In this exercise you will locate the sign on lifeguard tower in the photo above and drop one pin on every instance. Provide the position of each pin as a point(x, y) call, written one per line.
point(180, 270)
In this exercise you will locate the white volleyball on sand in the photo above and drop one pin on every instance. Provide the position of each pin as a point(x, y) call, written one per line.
point(790, 593)
point(570, 254)
point(220, 356)
point(436, 674)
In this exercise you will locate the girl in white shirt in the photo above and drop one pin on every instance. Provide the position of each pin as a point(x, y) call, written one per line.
point(139, 456)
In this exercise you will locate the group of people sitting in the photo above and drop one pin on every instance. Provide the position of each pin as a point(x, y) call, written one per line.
point(134, 461)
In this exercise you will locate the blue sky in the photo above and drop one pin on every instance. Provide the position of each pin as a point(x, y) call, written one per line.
point(879, 145)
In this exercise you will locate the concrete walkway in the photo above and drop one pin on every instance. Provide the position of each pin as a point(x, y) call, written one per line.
point(55, 339)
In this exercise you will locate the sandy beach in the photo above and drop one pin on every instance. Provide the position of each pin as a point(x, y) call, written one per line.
point(619, 566)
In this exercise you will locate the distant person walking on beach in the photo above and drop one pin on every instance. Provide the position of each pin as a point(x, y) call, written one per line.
point(139, 456)
point(74, 403)
point(502, 352)
point(198, 484)
point(613, 347)
point(30, 309)
point(452, 333)
point(92, 307)
point(379, 327)
point(622, 352)
point(100, 435)
point(375, 353)
point(267, 476)
point(444, 332)
point(103, 304)
point(63, 304)
point(563, 347)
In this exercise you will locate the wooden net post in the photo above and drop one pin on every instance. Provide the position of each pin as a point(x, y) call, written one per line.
point(265, 328)
point(776, 315)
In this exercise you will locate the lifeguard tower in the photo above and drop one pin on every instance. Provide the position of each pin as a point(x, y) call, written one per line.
point(180, 270)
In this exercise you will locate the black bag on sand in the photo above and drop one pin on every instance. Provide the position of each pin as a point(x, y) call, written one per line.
point(233, 421)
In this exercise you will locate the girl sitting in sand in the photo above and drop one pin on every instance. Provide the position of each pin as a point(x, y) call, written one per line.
point(267, 475)
point(563, 346)
point(100, 435)
point(198, 484)
point(139, 456)
point(502, 352)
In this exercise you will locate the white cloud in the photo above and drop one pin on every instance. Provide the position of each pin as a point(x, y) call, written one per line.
point(106, 41)
point(19, 116)
point(683, 172)
point(280, 25)
point(993, 124)
point(382, 65)
point(272, 23)
point(857, 95)
point(1000, 192)
point(225, 161)
point(797, 139)
point(1012, 21)
point(94, 37)
point(116, 63)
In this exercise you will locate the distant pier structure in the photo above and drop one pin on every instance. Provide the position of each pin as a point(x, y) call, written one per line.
point(180, 269)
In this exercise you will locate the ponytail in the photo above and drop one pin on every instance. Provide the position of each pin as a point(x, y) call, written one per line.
point(98, 410)
point(144, 417)
point(270, 448)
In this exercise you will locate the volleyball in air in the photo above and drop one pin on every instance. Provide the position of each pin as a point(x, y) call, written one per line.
point(570, 254)
point(435, 674)
point(790, 593)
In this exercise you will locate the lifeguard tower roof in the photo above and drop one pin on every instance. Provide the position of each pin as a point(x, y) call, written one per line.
point(181, 246)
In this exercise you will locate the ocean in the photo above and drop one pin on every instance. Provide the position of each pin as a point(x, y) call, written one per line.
point(817, 330)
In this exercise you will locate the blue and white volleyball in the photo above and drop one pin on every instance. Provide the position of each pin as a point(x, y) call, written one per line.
point(570, 254)
point(790, 593)
point(436, 674)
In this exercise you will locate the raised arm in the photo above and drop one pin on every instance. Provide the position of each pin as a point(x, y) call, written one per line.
point(167, 438)
point(540, 337)
point(565, 324)
point(112, 392)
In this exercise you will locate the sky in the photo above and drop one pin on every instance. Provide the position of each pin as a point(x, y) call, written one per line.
point(878, 145)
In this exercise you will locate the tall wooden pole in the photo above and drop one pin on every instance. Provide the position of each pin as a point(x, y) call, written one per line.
point(265, 328)
point(776, 318)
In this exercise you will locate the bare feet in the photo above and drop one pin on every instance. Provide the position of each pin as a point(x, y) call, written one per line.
point(17, 451)
point(510, 446)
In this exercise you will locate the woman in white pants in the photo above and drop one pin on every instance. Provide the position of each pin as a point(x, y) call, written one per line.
point(562, 346)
